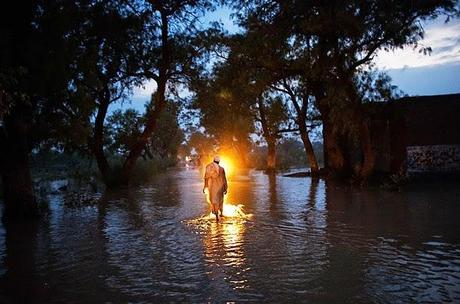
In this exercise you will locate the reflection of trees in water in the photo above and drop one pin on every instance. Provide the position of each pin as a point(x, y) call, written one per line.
point(381, 240)
point(345, 269)
point(19, 284)
point(368, 212)
point(314, 214)
point(125, 229)
point(330, 241)
point(273, 197)
point(312, 191)
point(275, 203)
point(147, 242)
point(53, 257)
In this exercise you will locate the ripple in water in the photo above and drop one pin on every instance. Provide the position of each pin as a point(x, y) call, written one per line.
point(294, 240)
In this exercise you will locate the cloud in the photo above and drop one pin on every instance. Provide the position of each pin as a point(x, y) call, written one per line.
point(428, 80)
point(145, 90)
point(444, 40)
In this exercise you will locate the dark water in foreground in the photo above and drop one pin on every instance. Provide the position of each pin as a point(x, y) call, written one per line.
point(307, 241)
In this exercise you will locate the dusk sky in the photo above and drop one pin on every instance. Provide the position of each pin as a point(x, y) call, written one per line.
point(414, 73)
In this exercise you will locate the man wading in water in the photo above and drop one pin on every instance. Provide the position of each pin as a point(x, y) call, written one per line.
point(216, 182)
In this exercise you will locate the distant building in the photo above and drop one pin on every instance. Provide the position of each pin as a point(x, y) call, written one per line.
point(417, 134)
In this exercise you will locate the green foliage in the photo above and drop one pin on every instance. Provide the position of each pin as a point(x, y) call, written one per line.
point(52, 165)
point(276, 112)
point(122, 127)
point(376, 86)
point(273, 116)
point(290, 154)
point(36, 63)
point(166, 141)
point(224, 112)
point(328, 42)
point(63, 63)
point(200, 146)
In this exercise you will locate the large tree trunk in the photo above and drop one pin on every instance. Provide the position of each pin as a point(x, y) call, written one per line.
point(310, 153)
point(368, 163)
point(333, 154)
point(18, 191)
point(301, 121)
point(269, 137)
point(362, 121)
point(142, 141)
point(98, 144)
point(158, 105)
point(271, 155)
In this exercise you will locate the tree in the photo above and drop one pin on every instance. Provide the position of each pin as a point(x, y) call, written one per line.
point(166, 64)
point(148, 45)
point(106, 67)
point(254, 78)
point(229, 95)
point(166, 144)
point(328, 43)
point(35, 75)
point(201, 145)
point(225, 112)
point(305, 117)
point(123, 127)
point(272, 114)
point(147, 40)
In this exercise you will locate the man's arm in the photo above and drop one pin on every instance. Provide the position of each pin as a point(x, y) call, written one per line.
point(225, 182)
point(205, 183)
point(205, 178)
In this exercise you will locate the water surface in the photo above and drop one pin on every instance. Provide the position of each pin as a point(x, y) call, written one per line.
point(307, 241)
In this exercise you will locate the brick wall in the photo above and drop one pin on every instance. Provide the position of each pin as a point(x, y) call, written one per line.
point(412, 129)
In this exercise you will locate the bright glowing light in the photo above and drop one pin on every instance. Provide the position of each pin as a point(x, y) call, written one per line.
point(232, 211)
point(227, 164)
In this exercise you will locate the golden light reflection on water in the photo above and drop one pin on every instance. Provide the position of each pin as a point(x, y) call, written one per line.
point(223, 241)
point(224, 250)
point(230, 210)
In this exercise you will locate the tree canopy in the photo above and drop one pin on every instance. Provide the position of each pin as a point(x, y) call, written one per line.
point(294, 66)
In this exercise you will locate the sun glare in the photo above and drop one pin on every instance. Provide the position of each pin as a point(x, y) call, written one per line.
point(231, 211)
point(227, 164)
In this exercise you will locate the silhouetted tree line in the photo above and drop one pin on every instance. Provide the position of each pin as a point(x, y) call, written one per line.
point(315, 58)
point(63, 63)
point(294, 65)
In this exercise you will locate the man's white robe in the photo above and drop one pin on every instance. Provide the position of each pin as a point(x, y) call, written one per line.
point(217, 185)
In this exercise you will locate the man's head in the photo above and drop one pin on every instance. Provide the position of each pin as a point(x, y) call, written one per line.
point(217, 159)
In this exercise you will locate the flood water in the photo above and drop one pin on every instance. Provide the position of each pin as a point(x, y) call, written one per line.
point(307, 241)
